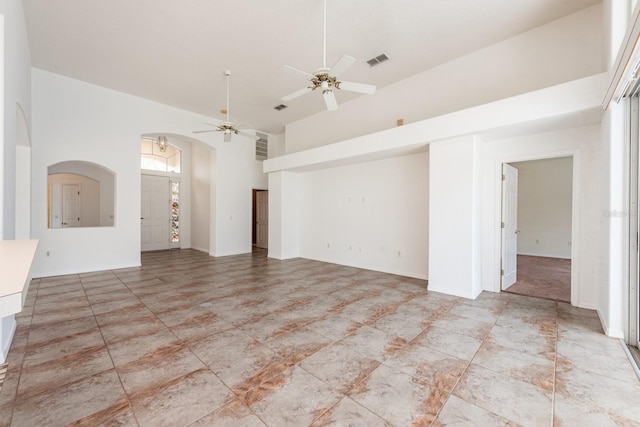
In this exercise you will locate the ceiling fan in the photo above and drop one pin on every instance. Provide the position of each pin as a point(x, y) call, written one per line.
point(327, 78)
point(227, 126)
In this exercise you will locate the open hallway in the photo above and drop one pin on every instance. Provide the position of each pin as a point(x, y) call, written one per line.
point(188, 339)
point(543, 277)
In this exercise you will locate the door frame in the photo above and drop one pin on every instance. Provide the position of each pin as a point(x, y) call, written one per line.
point(632, 333)
point(575, 212)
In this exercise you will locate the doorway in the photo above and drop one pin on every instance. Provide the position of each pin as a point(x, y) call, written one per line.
point(537, 228)
point(260, 221)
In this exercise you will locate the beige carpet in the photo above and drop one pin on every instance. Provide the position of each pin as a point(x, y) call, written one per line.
point(542, 277)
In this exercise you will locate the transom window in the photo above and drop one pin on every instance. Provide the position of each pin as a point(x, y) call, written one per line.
point(160, 156)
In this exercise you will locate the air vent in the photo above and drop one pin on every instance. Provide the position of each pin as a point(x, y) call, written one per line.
point(378, 60)
point(261, 146)
point(280, 107)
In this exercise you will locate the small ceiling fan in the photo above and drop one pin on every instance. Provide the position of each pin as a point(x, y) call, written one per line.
point(327, 78)
point(227, 126)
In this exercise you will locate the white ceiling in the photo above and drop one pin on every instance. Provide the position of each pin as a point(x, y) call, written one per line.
point(175, 52)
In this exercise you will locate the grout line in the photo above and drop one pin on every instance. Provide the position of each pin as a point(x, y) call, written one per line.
point(115, 369)
point(555, 372)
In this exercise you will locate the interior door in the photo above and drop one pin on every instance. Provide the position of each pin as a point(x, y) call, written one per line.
point(262, 219)
point(155, 211)
point(509, 225)
point(71, 205)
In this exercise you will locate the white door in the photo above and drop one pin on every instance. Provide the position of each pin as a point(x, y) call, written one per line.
point(71, 205)
point(509, 225)
point(262, 219)
point(154, 213)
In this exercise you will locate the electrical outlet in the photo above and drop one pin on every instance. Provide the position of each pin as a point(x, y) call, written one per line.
point(48, 253)
point(328, 245)
point(537, 241)
point(399, 254)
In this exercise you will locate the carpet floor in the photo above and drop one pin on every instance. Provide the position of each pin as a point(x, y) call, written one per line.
point(543, 277)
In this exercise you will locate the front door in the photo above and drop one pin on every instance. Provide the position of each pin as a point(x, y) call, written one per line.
point(262, 219)
point(509, 225)
point(155, 210)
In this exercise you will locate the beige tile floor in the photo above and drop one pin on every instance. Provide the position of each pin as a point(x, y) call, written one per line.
point(189, 340)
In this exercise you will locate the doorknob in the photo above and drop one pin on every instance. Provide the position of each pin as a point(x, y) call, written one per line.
point(517, 231)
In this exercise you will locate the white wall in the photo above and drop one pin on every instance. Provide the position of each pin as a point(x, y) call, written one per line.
point(583, 145)
point(284, 216)
point(275, 146)
point(567, 105)
point(544, 207)
point(15, 96)
point(372, 215)
point(73, 120)
point(613, 290)
point(561, 51)
point(454, 217)
point(200, 196)
point(16, 69)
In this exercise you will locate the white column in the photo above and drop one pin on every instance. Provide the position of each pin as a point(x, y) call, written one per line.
point(283, 215)
point(3, 124)
point(454, 217)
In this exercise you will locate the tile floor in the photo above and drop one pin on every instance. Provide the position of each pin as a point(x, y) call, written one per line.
point(189, 340)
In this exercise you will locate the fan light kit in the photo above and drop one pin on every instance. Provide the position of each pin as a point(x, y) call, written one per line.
point(327, 78)
point(227, 126)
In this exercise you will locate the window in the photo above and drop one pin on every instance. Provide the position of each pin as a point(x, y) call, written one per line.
point(175, 211)
point(157, 155)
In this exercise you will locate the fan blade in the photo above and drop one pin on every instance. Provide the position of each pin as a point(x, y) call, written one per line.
point(248, 135)
point(227, 137)
point(330, 100)
point(209, 124)
point(203, 131)
point(341, 65)
point(296, 94)
point(357, 87)
point(310, 76)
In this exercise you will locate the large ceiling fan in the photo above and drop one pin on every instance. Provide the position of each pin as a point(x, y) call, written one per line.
point(227, 126)
point(326, 79)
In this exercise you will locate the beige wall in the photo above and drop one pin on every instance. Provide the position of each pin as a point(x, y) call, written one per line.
point(544, 207)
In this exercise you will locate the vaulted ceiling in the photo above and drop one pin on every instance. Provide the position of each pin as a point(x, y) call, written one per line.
point(175, 52)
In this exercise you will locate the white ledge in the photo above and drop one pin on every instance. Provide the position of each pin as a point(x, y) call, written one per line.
point(575, 103)
point(16, 257)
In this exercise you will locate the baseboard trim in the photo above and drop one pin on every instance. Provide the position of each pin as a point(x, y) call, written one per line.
point(545, 256)
point(206, 251)
point(455, 294)
point(613, 333)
